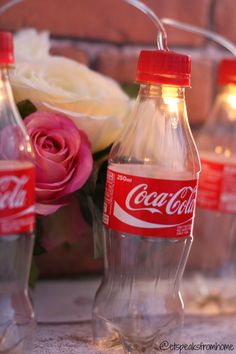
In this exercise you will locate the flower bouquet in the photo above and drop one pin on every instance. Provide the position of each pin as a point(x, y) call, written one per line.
point(72, 115)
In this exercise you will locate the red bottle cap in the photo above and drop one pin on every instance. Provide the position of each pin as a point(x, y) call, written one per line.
point(227, 72)
point(164, 67)
point(6, 48)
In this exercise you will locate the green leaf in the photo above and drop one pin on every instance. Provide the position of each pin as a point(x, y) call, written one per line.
point(97, 229)
point(25, 108)
point(38, 248)
point(34, 274)
point(131, 89)
point(102, 153)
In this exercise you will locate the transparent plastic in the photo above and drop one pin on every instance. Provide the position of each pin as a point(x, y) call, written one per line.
point(212, 261)
point(161, 33)
point(224, 42)
point(17, 320)
point(138, 303)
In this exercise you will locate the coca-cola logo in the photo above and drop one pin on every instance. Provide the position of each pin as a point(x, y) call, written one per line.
point(149, 207)
point(12, 191)
point(180, 202)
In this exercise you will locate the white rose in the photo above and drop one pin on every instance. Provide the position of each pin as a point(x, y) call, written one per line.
point(31, 45)
point(94, 102)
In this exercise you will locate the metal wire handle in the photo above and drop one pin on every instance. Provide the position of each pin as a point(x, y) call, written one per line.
point(161, 33)
point(230, 46)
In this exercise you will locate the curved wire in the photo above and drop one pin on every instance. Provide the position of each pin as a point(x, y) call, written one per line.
point(9, 4)
point(161, 33)
point(230, 46)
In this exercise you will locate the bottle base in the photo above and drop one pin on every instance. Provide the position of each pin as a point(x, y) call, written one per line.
point(107, 337)
point(209, 296)
point(17, 339)
point(104, 333)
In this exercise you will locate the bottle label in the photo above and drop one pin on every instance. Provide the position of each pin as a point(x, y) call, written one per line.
point(17, 201)
point(148, 206)
point(217, 187)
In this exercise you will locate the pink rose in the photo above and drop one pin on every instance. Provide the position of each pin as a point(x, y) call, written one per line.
point(63, 159)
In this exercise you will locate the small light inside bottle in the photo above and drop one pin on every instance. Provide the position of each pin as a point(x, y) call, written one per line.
point(21, 147)
point(218, 149)
point(227, 152)
point(231, 99)
point(172, 103)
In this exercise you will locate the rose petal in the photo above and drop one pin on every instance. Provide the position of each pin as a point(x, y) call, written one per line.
point(101, 131)
point(83, 168)
point(63, 158)
point(96, 103)
point(55, 191)
point(49, 171)
point(46, 209)
point(37, 47)
point(51, 151)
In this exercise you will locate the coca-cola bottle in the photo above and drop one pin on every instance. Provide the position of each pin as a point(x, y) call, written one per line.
point(213, 257)
point(17, 191)
point(148, 211)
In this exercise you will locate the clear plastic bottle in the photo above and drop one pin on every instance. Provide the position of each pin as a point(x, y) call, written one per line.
point(17, 175)
point(213, 256)
point(148, 212)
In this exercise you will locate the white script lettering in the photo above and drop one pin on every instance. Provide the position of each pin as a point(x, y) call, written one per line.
point(12, 192)
point(181, 202)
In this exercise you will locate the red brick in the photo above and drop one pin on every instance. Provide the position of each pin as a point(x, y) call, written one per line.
point(224, 18)
point(107, 20)
point(71, 52)
point(120, 64)
point(200, 96)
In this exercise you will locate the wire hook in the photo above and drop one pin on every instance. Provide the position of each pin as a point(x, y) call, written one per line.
point(161, 34)
point(209, 34)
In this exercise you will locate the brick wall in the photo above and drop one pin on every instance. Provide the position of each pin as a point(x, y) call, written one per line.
point(108, 34)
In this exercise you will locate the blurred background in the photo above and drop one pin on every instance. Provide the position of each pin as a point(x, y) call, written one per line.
point(107, 35)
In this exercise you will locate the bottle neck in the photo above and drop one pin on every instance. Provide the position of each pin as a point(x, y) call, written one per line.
point(227, 93)
point(5, 87)
point(217, 136)
point(15, 142)
point(169, 100)
point(4, 72)
point(158, 134)
point(224, 109)
point(166, 101)
point(162, 91)
point(227, 88)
